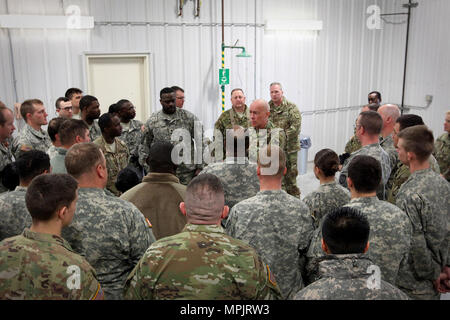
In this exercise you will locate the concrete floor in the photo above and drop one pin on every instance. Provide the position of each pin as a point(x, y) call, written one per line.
point(308, 182)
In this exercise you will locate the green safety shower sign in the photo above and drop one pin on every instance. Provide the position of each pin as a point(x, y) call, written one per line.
point(224, 76)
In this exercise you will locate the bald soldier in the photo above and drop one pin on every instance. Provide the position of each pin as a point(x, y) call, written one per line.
point(201, 262)
point(6, 130)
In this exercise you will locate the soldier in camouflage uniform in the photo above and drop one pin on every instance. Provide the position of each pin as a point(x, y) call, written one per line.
point(201, 262)
point(32, 136)
point(425, 197)
point(346, 273)
point(442, 149)
point(353, 144)
point(39, 263)
point(389, 113)
point(90, 112)
point(275, 223)
point(6, 130)
point(330, 195)
point(285, 115)
point(14, 216)
point(111, 233)
point(161, 126)
point(237, 115)
point(115, 150)
point(368, 129)
point(390, 233)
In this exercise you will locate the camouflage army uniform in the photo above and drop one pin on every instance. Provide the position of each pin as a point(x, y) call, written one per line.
point(388, 145)
point(14, 216)
point(260, 138)
point(94, 130)
point(279, 227)
point(57, 161)
point(6, 157)
point(52, 151)
point(346, 277)
point(229, 119)
point(327, 197)
point(390, 235)
point(112, 234)
point(442, 154)
point(401, 174)
point(287, 117)
point(159, 128)
point(30, 138)
point(353, 145)
point(238, 177)
point(374, 150)
point(42, 266)
point(115, 161)
point(425, 197)
point(132, 138)
point(202, 263)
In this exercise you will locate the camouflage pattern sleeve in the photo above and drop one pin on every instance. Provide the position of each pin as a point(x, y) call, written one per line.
point(293, 130)
point(144, 146)
point(268, 289)
point(136, 287)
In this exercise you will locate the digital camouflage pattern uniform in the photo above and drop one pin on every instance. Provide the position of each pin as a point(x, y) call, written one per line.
point(14, 216)
point(112, 234)
point(35, 266)
point(389, 240)
point(132, 137)
point(388, 145)
point(31, 139)
point(57, 161)
point(259, 138)
point(374, 150)
point(115, 161)
point(346, 277)
point(425, 197)
point(161, 126)
point(238, 177)
point(287, 117)
point(6, 157)
point(279, 227)
point(327, 197)
point(94, 131)
point(442, 154)
point(230, 118)
point(201, 263)
point(401, 174)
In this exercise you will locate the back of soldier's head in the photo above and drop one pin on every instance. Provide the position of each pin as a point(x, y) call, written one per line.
point(365, 173)
point(409, 120)
point(83, 158)
point(127, 178)
point(70, 129)
point(48, 193)
point(160, 158)
point(105, 121)
point(327, 161)
point(345, 230)
point(53, 127)
point(10, 176)
point(31, 164)
point(271, 161)
point(371, 121)
point(419, 140)
point(204, 199)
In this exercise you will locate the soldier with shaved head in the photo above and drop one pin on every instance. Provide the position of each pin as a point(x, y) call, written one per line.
point(201, 262)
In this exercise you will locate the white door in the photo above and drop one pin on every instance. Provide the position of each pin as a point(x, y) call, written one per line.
point(111, 78)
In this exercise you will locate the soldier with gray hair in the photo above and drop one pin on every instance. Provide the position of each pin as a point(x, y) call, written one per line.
point(201, 262)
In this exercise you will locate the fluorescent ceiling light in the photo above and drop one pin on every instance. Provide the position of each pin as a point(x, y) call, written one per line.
point(46, 22)
point(301, 25)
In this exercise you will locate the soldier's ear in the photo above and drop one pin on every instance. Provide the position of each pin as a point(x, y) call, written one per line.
point(284, 171)
point(349, 182)
point(226, 210)
point(183, 208)
point(367, 247)
point(62, 213)
point(325, 247)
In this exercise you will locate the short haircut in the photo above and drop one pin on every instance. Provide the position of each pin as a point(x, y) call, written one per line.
point(371, 121)
point(59, 100)
point(276, 84)
point(82, 158)
point(159, 158)
point(86, 101)
point(365, 173)
point(53, 127)
point(121, 103)
point(409, 120)
point(377, 94)
point(327, 161)
point(265, 159)
point(3, 108)
point(28, 107)
point(70, 92)
point(48, 193)
point(70, 129)
point(236, 89)
point(10, 176)
point(166, 90)
point(105, 121)
point(345, 230)
point(204, 198)
point(176, 88)
point(418, 140)
point(114, 108)
point(127, 178)
point(31, 164)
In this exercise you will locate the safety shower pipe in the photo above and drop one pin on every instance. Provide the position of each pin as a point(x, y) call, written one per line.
point(223, 58)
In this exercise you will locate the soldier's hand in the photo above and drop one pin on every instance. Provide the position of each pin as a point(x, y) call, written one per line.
point(442, 283)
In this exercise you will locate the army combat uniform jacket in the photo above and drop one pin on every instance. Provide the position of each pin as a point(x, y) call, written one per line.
point(14, 216)
point(44, 266)
point(201, 263)
point(442, 154)
point(6, 157)
point(31, 139)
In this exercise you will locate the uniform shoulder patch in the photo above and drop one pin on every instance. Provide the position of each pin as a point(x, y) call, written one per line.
point(148, 223)
point(271, 276)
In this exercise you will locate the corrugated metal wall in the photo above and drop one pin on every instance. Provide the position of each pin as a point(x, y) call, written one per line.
point(336, 69)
